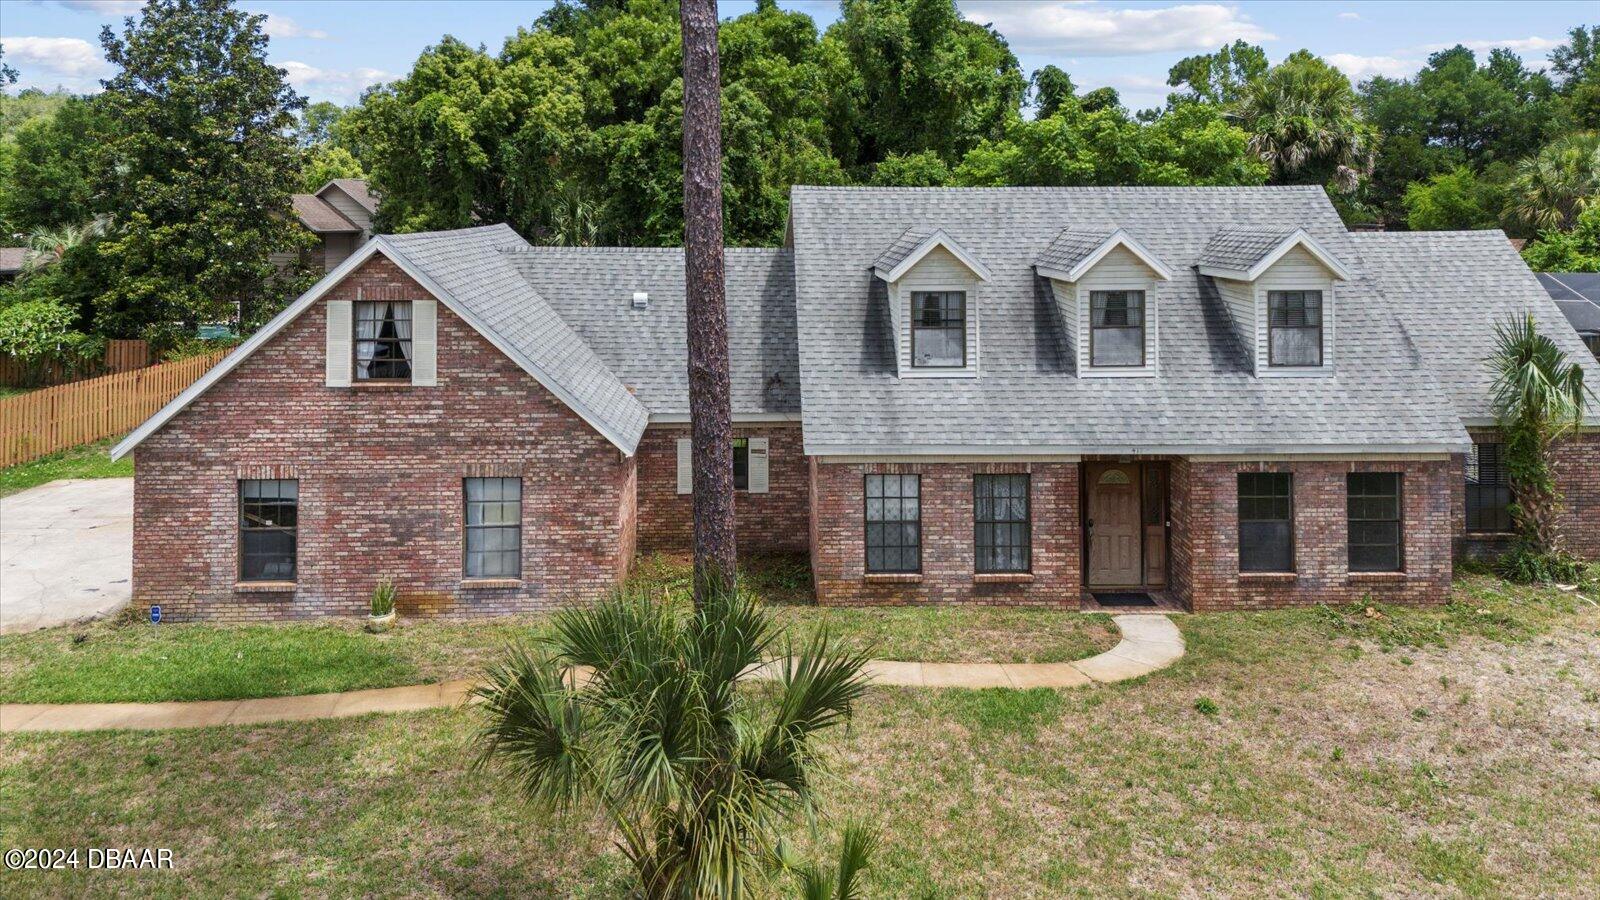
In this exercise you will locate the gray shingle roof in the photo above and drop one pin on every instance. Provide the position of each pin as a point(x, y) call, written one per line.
point(1577, 294)
point(1451, 288)
point(592, 288)
point(12, 259)
point(897, 252)
point(1070, 248)
point(470, 265)
point(1241, 248)
point(1204, 398)
point(319, 215)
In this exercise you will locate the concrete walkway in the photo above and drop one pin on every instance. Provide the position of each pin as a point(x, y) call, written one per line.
point(65, 552)
point(1149, 643)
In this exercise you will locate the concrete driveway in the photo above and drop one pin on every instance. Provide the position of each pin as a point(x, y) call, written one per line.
point(66, 552)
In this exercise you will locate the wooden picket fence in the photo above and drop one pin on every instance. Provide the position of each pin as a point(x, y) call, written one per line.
point(121, 356)
point(50, 419)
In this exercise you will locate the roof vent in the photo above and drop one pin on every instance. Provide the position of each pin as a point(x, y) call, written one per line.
point(641, 300)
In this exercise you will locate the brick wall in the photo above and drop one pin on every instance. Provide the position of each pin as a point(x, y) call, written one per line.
point(1205, 536)
point(774, 522)
point(380, 473)
point(1577, 474)
point(837, 530)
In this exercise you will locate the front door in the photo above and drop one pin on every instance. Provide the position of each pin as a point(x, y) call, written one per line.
point(1116, 558)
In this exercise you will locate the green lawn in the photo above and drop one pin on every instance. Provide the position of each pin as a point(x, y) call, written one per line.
point(136, 661)
point(85, 461)
point(1447, 752)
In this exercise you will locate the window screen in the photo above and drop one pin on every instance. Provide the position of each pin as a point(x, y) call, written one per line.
point(1488, 490)
point(1116, 334)
point(1001, 521)
point(1266, 522)
point(494, 528)
point(894, 523)
point(268, 518)
point(1294, 328)
point(939, 329)
point(1374, 512)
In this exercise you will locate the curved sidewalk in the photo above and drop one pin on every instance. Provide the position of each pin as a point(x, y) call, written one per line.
point(1149, 643)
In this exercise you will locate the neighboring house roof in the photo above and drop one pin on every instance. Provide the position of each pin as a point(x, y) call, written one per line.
point(1577, 294)
point(319, 215)
point(357, 189)
point(1203, 398)
point(468, 272)
point(12, 259)
point(1452, 288)
point(592, 288)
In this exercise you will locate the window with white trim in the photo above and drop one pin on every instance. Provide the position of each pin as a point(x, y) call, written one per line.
point(383, 340)
point(1116, 329)
point(1294, 329)
point(939, 329)
point(493, 525)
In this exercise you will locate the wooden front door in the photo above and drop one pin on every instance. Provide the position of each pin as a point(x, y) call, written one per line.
point(1116, 557)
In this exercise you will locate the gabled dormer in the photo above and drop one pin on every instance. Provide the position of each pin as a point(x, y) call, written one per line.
point(932, 285)
point(1279, 290)
point(1107, 287)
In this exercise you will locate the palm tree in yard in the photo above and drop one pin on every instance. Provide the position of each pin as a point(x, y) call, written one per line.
point(1539, 398)
point(710, 409)
point(1302, 120)
point(655, 735)
point(1554, 186)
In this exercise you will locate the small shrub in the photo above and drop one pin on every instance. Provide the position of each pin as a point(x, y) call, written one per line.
point(383, 597)
point(1206, 706)
point(1524, 564)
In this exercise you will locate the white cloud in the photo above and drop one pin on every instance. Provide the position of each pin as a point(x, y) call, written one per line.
point(103, 7)
point(341, 86)
point(1515, 45)
point(1350, 16)
point(51, 62)
point(284, 27)
point(1360, 68)
point(1088, 29)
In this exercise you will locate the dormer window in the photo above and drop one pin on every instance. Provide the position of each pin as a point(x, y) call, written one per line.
point(1116, 331)
point(1294, 328)
point(383, 341)
point(939, 329)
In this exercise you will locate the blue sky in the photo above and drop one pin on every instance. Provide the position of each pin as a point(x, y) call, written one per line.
point(334, 48)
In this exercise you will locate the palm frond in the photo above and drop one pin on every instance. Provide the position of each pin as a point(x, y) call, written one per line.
point(533, 725)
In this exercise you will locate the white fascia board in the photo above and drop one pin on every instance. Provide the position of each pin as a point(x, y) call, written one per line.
point(1265, 450)
point(281, 321)
point(1118, 238)
point(937, 239)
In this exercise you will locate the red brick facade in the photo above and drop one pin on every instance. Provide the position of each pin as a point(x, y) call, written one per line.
point(774, 522)
point(380, 472)
point(1577, 475)
point(1205, 572)
point(838, 558)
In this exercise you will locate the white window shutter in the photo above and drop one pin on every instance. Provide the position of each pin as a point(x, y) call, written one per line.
point(339, 328)
point(758, 465)
point(685, 467)
point(425, 342)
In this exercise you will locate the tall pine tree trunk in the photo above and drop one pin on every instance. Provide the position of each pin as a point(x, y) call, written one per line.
point(710, 412)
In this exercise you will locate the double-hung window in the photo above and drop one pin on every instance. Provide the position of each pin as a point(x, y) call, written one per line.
point(1116, 329)
point(741, 464)
point(383, 340)
point(268, 518)
point(1294, 329)
point(494, 528)
point(1002, 527)
point(939, 329)
point(1488, 490)
point(894, 523)
point(1376, 542)
point(1266, 522)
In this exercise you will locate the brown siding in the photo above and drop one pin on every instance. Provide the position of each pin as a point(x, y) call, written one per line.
point(838, 560)
point(380, 474)
point(774, 522)
point(1205, 543)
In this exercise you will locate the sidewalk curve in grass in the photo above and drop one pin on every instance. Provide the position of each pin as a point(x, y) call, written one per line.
point(1149, 643)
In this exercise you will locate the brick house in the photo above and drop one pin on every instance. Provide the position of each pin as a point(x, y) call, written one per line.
point(1027, 396)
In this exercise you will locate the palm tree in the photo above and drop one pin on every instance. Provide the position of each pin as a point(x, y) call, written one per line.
point(1553, 187)
point(46, 246)
point(1539, 398)
point(1302, 121)
point(634, 710)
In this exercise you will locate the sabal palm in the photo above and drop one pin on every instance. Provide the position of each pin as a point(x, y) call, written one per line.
point(1302, 122)
point(1553, 187)
point(49, 245)
point(635, 709)
point(1539, 397)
